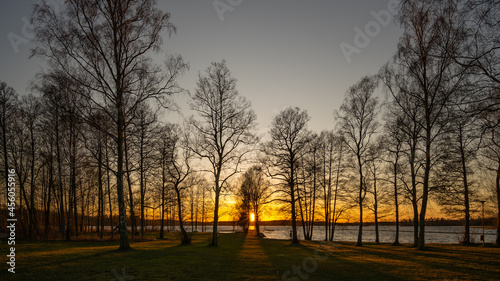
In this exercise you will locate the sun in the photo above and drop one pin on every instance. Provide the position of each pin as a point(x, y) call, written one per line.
point(252, 217)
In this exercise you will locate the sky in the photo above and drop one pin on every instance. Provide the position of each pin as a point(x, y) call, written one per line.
point(282, 52)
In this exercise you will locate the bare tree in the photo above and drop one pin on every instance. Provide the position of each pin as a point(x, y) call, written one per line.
point(284, 152)
point(255, 188)
point(163, 145)
point(327, 159)
point(8, 100)
point(30, 108)
point(178, 172)
point(336, 154)
point(424, 54)
point(461, 143)
point(358, 123)
point(224, 129)
point(476, 27)
point(394, 145)
point(143, 131)
point(104, 47)
point(374, 170)
point(491, 151)
point(405, 111)
point(308, 189)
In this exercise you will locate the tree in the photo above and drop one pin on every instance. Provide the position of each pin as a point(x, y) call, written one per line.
point(225, 127)
point(404, 109)
point(310, 170)
point(461, 145)
point(254, 192)
point(491, 150)
point(327, 159)
point(478, 50)
point(394, 140)
point(105, 47)
point(333, 154)
point(284, 153)
point(358, 123)
point(143, 130)
point(30, 112)
point(163, 145)
point(374, 167)
point(178, 171)
point(8, 100)
point(424, 54)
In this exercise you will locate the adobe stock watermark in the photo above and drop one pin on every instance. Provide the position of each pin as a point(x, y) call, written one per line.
point(16, 40)
point(309, 264)
point(123, 276)
point(223, 6)
point(11, 220)
point(372, 29)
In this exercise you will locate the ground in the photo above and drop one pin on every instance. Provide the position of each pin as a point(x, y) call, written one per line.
point(247, 257)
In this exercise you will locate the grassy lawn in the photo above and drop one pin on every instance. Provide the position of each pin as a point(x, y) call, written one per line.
point(241, 257)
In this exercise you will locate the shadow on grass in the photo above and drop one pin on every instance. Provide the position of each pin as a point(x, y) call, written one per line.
point(318, 261)
point(442, 261)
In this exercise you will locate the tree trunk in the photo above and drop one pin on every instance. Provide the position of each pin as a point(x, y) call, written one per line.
point(141, 179)
point(49, 196)
point(129, 183)
point(497, 241)
point(294, 222)
point(466, 239)
point(306, 237)
point(101, 196)
point(216, 216)
point(360, 231)
point(425, 192)
point(396, 240)
point(414, 195)
point(109, 193)
point(184, 236)
point(257, 226)
point(5, 153)
point(162, 202)
point(32, 183)
point(73, 186)
point(337, 177)
point(124, 245)
point(375, 206)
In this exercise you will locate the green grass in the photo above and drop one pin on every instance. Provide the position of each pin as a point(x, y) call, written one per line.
point(241, 257)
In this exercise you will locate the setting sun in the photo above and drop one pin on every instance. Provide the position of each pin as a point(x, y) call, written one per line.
point(252, 217)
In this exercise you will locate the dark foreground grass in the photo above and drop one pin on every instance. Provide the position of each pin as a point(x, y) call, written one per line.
point(241, 257)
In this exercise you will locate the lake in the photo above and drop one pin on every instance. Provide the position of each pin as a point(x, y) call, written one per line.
point(434, 234)
point(349, 233)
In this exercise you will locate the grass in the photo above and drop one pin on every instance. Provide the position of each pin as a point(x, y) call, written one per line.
point(242, 257)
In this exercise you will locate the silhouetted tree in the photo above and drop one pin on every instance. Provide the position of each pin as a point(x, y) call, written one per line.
point(254, 192)
point(424, 54)
point(104, 47)
point(8, 100)
point(224, 129)
point(284, 153)
point(357, 120)
point(178, 170)
point(394, 147)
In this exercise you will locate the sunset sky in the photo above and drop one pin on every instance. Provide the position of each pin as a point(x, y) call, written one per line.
point(283, 53)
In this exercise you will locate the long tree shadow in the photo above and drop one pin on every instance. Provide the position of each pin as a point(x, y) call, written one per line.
point(433, 262)
point(318, 261)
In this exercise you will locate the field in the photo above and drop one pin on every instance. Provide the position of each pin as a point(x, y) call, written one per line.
point(247, 257)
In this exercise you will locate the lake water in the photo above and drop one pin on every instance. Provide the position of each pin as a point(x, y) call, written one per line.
point(434, 234)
